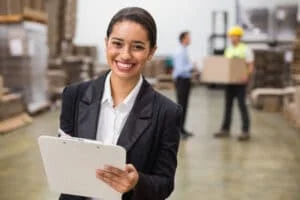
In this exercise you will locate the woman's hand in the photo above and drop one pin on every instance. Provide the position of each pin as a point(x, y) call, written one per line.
point(120, 180)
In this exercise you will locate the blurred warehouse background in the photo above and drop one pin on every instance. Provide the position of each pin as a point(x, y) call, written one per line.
point(48, 44)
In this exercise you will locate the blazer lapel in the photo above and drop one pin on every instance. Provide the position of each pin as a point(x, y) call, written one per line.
point(89, 109)
point(139, 118)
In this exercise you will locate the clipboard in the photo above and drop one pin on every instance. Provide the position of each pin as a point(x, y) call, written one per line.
point(70, 165)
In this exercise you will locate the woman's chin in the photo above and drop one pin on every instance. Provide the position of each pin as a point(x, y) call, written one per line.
point(125, 75)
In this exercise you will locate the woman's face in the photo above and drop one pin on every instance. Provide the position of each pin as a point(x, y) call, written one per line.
point(128, 49)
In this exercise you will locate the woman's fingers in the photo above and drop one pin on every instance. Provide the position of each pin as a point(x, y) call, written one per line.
point(112, 180)
point(109, 177)
point(120, 180)
point(115, 170)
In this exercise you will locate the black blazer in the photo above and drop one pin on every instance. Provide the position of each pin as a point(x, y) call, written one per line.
point(150, 134)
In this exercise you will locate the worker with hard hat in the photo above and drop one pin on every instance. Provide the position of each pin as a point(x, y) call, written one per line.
point(238, 91)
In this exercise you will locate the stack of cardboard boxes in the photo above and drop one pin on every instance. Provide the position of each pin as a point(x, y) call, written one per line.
point(76, 69)
point(68, 10)
point(67, 70)
point(90, 55)
point(68, 63)
point(62, 26)
point(57, 78)
point(9, 7)
point(53, 27)
point(86, 51)
point(268, 81)
point(269, 69)
point(23, 61)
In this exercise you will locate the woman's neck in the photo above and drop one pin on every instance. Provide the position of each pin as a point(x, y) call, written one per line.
point(120, 88)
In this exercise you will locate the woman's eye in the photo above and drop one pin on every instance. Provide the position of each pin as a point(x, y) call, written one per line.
point(117, 44)
point(138, 47)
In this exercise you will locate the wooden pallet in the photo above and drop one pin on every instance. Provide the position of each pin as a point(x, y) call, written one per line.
point(15, 123)
point(11, 18)
point(35, 15)
point(28, 14)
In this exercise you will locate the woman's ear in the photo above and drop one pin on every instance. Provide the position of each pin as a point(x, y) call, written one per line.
point(152, 52)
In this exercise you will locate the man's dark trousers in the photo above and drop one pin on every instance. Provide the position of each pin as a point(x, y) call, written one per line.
point(239, 92)
point(183, 87)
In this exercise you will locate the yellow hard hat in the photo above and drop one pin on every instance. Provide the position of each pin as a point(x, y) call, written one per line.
point(236, 31)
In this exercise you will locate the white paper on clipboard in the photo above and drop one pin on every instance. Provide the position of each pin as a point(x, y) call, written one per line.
point(70, 165)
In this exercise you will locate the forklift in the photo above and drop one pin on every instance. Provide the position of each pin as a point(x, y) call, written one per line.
point(213, 49)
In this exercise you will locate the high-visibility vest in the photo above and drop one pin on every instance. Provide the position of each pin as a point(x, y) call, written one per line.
point(238, 51)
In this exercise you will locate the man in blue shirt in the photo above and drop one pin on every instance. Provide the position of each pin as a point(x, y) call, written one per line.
point(182, 73)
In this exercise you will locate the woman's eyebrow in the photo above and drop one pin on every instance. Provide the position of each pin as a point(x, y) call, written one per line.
point(135, 41)
point(115, 38)
point(138, 42)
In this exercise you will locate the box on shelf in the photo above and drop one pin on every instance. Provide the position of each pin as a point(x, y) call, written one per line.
point(218, 69)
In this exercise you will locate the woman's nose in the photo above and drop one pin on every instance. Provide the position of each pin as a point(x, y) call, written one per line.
point(126, 54)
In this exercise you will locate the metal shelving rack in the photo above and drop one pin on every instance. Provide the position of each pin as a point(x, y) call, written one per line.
point(213, 50)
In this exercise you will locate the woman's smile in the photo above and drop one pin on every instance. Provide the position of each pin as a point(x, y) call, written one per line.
point(124, 66)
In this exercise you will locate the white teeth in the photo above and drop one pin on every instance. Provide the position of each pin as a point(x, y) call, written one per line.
point(124, 65)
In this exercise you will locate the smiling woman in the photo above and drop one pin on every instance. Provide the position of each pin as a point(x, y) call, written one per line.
point(122, 108)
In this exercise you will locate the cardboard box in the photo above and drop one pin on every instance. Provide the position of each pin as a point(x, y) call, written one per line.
point(218, 69)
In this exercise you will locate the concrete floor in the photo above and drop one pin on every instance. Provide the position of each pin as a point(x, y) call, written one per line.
point(266, 168)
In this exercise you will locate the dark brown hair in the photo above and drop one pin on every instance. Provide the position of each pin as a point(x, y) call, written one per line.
point(137, 15)
point(183, 35)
